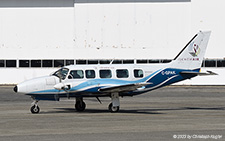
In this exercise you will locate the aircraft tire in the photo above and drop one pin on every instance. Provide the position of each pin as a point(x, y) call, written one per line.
point(80, 107)
point(35, 109)
point(113, 109)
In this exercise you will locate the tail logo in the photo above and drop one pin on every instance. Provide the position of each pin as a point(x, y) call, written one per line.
point(194, 49)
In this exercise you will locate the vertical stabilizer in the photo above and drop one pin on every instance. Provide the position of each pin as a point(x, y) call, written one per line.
point(191, 56)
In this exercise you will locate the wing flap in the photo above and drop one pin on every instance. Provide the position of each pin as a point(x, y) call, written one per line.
point(123, 88)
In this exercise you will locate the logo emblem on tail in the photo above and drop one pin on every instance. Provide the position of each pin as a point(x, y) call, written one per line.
point(194, 49)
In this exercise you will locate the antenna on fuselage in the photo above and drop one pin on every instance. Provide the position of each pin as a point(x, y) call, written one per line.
point(112, 61)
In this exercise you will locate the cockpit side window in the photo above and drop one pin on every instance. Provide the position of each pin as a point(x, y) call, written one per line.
point(76, 74)
point(61, 73)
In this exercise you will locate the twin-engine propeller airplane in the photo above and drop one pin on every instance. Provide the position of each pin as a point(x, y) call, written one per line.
point(116, 80)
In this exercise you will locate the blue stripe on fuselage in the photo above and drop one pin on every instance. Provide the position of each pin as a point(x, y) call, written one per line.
point(157, 78)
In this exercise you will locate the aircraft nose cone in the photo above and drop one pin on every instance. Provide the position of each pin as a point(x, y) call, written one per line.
point(15, 89)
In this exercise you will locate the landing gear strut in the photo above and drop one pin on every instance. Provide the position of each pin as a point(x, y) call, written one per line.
point(80, 105)
point(115, 105)
point(34, 107)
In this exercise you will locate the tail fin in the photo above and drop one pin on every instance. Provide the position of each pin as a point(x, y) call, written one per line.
point(191, 56)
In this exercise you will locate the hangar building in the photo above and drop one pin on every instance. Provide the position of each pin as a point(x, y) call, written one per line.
point(39, 36)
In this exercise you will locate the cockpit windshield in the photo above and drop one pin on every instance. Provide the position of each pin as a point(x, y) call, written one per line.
point(61, 73)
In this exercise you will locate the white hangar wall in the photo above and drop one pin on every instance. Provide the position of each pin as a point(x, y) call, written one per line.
point(208, 15)
point(105, 29)
point(155, 30)
point(36, 28)
point(132, 30)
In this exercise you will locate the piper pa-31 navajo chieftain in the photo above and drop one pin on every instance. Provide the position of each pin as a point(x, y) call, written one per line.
point(116, 80)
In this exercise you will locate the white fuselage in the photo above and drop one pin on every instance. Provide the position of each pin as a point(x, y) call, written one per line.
point(50, 82)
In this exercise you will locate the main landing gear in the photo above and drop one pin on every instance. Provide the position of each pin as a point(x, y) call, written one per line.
point(115, 105)
point(113, 109)
point(34, 107)
point(80, 105)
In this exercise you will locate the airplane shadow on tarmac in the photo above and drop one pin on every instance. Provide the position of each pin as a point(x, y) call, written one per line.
point(138, 111)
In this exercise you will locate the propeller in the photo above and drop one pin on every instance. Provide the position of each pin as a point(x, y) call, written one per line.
point(61, 86)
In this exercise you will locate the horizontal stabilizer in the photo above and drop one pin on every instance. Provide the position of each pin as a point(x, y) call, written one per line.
point(123, 88)
point(199, 73)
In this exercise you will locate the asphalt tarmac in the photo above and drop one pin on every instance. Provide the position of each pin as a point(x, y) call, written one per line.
point(170, 113)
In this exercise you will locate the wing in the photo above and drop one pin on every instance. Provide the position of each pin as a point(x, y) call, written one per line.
point(123, 88)
point(198, 73)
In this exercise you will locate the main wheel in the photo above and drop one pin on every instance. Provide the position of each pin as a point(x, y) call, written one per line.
point(35, 109)
point(80, 106)
point(113, 109)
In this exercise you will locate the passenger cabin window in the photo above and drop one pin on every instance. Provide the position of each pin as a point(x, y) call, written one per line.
point(138, 73)
point(90, 74)
point(76, 74)
point(122, 73)
point(105, 73)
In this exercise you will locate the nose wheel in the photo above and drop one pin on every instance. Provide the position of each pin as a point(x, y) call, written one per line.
point(34, 107)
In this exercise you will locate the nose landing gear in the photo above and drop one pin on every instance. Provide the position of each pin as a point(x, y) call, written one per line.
point(34, 107)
